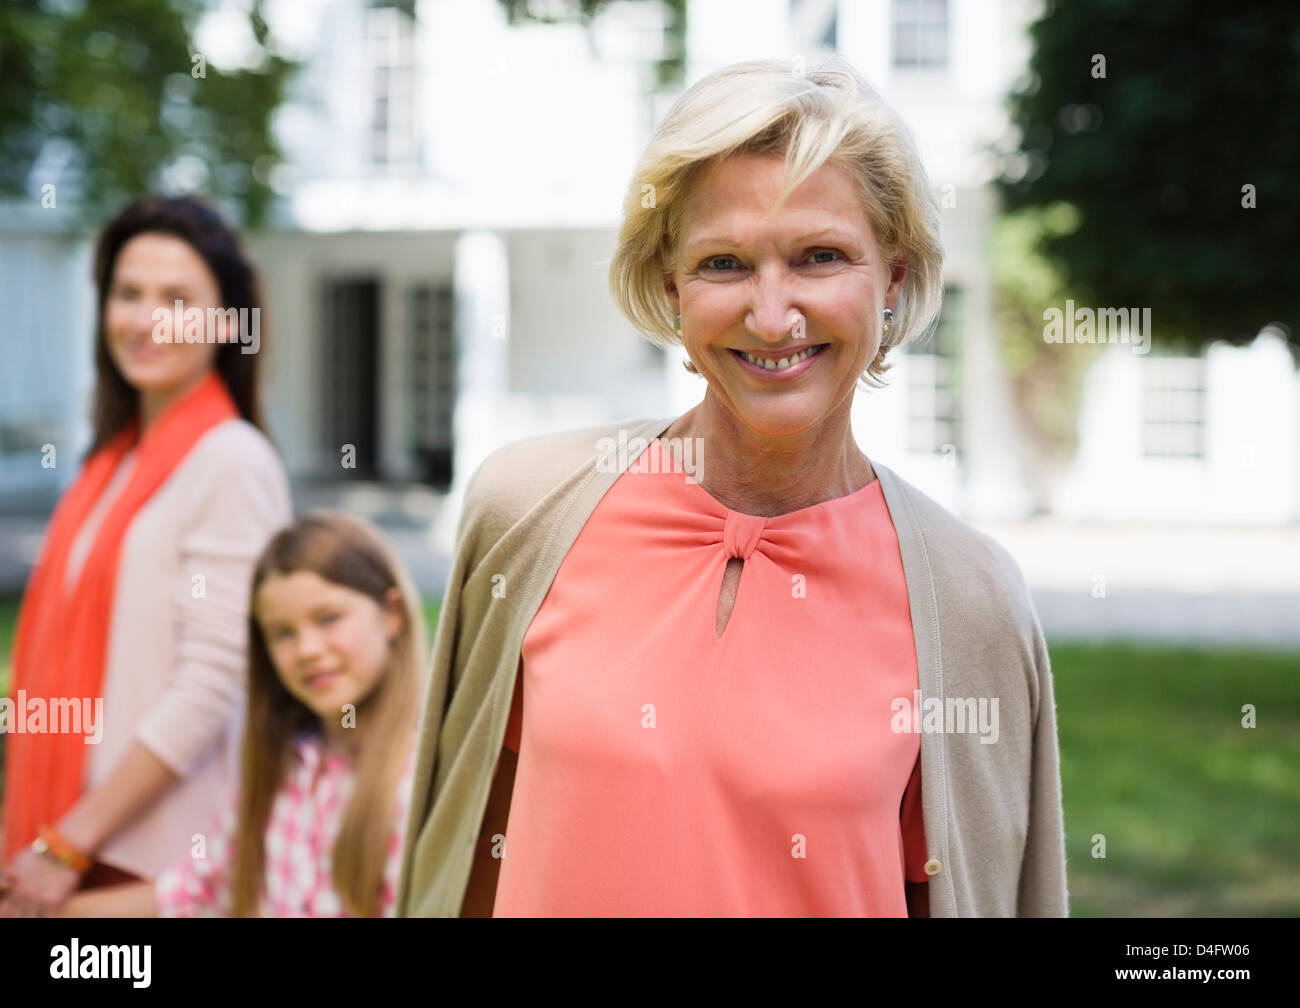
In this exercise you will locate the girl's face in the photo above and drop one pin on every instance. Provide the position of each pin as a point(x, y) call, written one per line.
point(330, 644)
point(152, 273)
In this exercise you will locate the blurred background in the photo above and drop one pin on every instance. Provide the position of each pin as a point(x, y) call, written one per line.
point(432, 190)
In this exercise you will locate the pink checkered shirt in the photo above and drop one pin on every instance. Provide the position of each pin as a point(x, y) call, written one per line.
point(305, 819)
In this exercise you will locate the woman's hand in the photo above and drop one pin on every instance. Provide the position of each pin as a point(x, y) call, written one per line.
point(35, 886)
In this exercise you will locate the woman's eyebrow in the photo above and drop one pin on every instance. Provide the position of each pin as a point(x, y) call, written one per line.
point(821, 235)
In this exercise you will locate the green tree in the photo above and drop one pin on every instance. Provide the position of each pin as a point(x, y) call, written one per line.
point(111, 101)
point(1045, 379)
point(1174, 132)
point(671, 66)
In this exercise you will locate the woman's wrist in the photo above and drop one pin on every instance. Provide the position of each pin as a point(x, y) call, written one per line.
point(51, 843)
point(78, 829)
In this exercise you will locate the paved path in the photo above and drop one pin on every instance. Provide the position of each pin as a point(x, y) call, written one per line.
point(1182, 583)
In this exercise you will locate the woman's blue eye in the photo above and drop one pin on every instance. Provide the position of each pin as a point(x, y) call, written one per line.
point(724, 263)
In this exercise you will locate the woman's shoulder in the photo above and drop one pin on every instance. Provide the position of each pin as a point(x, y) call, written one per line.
point(517, 475)
point(239, 444)
point(234, 476)
point(960, 556)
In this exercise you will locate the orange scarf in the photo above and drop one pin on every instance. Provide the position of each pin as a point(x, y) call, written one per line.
point(61, 646)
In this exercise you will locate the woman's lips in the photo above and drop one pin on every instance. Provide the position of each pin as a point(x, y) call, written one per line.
point(779, 374)
point(145, 352)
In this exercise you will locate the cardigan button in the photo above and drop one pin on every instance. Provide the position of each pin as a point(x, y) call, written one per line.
point(932, 867)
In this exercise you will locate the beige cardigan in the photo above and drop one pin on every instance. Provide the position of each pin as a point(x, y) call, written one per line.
point(993, 820)
point(177, 647)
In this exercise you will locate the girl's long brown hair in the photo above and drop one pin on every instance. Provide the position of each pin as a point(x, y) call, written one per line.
point(349, 552)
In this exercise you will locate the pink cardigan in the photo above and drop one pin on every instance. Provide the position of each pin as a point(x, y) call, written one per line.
point(177, 646)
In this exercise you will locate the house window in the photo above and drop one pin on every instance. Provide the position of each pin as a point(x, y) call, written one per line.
point(934, 422)
point(390, 38)
point(347, 397)
point(432, 373)
point(1173, 407)
point(920, 29)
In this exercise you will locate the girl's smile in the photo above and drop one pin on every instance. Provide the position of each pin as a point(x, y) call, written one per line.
point(329, 644)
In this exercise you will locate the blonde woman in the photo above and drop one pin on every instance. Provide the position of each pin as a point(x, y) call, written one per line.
point(669, 696)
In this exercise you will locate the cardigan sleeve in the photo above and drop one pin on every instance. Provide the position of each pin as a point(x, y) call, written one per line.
point(1043, 888)
point(243, 502)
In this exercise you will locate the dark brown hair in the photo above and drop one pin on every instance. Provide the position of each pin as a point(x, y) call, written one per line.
point(200, 227)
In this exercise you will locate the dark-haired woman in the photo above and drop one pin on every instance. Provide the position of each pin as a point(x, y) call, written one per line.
point(136, 613)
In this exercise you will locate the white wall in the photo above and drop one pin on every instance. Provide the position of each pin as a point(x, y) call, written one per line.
point(47, 299)
point(1249, 472)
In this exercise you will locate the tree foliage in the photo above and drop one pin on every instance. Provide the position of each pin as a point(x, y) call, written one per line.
point(671, 67)
point(107, 102)
point(1197, 103)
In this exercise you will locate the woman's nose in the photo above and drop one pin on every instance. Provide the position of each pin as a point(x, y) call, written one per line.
point(772, 314)
point(154, 315)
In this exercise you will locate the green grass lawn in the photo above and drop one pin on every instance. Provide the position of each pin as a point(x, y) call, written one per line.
point(1199, 814)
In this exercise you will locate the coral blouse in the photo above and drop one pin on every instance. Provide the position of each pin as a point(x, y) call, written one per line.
point(666, 771)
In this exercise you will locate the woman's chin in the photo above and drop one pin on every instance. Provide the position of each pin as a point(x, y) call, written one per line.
point(147, 378)
point(783, 419)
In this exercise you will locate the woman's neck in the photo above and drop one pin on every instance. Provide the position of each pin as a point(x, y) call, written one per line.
point(153, 402)
point(760, 476)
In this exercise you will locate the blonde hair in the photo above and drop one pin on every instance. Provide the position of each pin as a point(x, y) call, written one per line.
point(351, 552)
point(772, 107)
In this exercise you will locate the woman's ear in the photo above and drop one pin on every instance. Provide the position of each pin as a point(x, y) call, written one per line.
point(897, 274)
point(394, 615)
point(670, 288)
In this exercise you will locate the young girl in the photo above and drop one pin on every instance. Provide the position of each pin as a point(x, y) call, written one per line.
point(315, 827)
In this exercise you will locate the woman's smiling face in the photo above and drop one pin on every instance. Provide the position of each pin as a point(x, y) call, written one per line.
point(154, 272)
point(809, 278)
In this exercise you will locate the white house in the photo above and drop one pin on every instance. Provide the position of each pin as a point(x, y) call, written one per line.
point(437, 284)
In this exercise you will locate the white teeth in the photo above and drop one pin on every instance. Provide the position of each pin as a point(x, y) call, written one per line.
point(783, 363)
